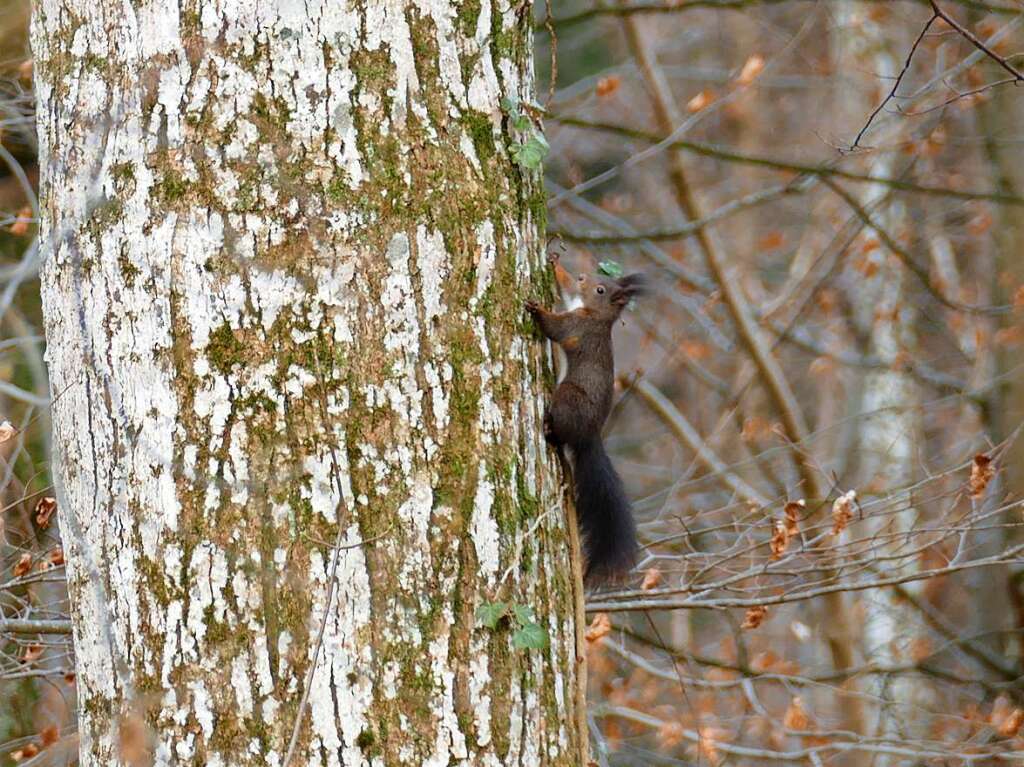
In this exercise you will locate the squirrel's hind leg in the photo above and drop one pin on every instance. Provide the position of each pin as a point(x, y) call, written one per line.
point(566, 421)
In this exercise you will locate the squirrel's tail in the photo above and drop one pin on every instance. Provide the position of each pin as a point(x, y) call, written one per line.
point(604, 513)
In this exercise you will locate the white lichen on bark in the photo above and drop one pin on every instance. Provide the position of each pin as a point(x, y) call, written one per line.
point(286, 250)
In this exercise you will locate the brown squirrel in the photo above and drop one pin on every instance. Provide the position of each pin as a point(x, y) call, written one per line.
point(577, 413)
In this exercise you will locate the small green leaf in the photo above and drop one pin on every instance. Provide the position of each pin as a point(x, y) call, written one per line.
point(524, 614)
point(531, 636)
point(521, 122)
point(611, 269)
point(510, 104)
point(531, 153)
point(489, 613)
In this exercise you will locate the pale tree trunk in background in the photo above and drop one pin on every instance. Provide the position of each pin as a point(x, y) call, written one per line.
point(999, 117)
point(890, 422)
point(286, 254)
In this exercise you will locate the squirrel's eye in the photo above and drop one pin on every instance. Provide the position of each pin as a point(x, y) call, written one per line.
point(600, 289)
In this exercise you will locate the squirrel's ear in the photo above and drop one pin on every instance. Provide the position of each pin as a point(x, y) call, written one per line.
point(629, 286)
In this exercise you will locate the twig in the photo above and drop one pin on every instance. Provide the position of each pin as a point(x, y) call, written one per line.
point(332, 580)
point(654, 8)
point(611, 604)
point(761, 197)
point(553, 42)
point(977, 42)
point(689, 436)
point(958, 97)
point(901, 253)
point(938, 13)
point(899, 79)
point(726, 154)
point(16, 626)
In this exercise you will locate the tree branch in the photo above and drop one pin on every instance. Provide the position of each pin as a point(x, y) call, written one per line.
point(16, 626)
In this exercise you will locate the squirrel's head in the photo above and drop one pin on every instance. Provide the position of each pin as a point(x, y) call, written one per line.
point(606, 297)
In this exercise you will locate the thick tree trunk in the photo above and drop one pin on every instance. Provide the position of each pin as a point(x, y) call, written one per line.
point(286, 250)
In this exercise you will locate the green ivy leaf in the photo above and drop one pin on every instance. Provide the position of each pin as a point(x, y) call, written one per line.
point(530, 637)
point(611, 269)
point(524, 614)
point(531, 153)
point(489, 613)
point(510, 104)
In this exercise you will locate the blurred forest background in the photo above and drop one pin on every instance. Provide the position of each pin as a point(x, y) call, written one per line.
point(819, 408)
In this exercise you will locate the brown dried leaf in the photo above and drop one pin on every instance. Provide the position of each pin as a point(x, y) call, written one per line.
point(982, 472)
point(1011, 336)
point(32, 653)
point(708, 737)
point(606, 86)
point(755, 427)
point(754, 617)
point(652, 577)
point(920, 649)
point(1011, 723)
point(49, 736)
point(24, 565)
point(821, 366)
point(21, 223)
point(25, 752)
point(842, 511)
point(780, 538)
point(599, 628)
point(774, 239)
point(700, 101)
point(793, 510)
point(57, 557)
point(796, 716)
point(695, 350)
point(44, 510)
point(980, 224)
point(750, 71)
point(670, 734)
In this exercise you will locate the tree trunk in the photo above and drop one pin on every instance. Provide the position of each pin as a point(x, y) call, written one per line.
point(286, 249)
point(890, 431)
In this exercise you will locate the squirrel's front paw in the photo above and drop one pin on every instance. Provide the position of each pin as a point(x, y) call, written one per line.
point(532, 307)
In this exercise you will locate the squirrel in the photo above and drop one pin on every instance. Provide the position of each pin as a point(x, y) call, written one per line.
point(576, 415)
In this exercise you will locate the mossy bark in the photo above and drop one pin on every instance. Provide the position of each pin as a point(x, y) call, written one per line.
point(286, 250)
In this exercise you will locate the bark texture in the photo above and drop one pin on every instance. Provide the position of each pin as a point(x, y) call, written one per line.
point(890, 431)
point(286, 249)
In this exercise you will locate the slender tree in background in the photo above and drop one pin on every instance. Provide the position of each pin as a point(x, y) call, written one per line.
point(296, 416)
point(889, 433)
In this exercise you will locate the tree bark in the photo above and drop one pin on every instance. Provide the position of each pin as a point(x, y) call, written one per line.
point(893, 632)
point(286, 249)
